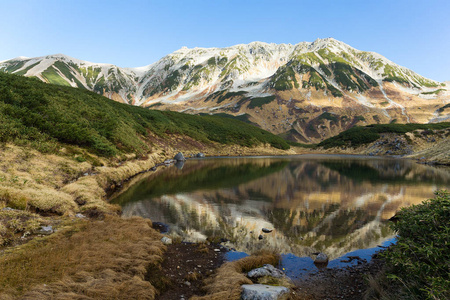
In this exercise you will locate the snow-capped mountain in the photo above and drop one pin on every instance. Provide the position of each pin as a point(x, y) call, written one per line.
point(307, 91)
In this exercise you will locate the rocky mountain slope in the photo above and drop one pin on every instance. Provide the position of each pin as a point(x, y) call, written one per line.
point(305, 92)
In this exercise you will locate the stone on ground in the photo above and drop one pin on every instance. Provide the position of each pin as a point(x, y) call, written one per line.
point(266, 270)
point(264, 292)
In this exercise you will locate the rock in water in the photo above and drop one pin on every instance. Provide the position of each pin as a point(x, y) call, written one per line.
point(321, 259)
point(266, 230)
point(263, 292)
point(266, 270)
point(179, 157)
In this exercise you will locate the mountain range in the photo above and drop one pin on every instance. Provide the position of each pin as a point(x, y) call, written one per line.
point(305, 92)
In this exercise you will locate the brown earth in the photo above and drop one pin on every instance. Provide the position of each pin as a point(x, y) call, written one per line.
point(186, 266)
point(349, 283)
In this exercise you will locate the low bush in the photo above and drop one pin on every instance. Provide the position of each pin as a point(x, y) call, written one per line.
point(419, 263)
point(358, 135)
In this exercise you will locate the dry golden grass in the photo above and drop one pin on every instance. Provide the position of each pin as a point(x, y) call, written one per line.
point(105, 259)
point(56, 184)
point(226, 283)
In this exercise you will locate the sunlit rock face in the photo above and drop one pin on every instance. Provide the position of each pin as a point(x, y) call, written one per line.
point(314, 204)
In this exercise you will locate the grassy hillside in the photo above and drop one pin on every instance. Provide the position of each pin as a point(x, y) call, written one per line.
point(357, 136)
point(43, 115)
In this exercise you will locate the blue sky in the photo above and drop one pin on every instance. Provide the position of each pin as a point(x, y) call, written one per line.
point(132, 33)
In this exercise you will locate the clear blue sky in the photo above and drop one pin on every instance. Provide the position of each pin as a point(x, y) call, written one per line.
point(132, 33)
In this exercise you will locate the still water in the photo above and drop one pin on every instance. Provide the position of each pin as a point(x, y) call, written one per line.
point(339, 205)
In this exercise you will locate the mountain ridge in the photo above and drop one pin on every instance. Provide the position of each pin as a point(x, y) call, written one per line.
point(264, 82)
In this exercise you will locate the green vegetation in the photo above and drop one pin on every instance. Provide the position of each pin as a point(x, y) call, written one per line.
point(62, 67)
point(260, 101)
point(357, 136)
point(343, 73)
point(51, 76)
point(334, 91)
point(223, 95)
point(91, 74)
point(24, 71)
point(284, 79)
point(295, 144)
point(41, 115)
point(444, 107)
point(170, 83)
point(433, 92)
point(328, 116)
point(418, 263)
point(14, 66)
point(243, 117)
point(392, 74)
point(331, 57)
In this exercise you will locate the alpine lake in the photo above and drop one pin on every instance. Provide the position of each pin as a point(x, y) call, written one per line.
point(336, 204)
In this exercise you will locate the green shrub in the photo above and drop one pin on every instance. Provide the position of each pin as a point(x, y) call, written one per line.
point(260, 101)
point(357, 135)
point(419, 262)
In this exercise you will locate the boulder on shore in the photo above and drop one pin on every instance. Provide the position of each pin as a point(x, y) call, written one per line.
point(179, 157)
point(266, 292)
point(321, 259)
point(200, 155)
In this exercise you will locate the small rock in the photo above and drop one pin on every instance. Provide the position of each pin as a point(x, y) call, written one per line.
point(321, 258)
point(266, 270)
point(86, 174)
point(46, 230)
point(166, 240)
point(217, 250)
point(266, 230)
point(153, 169)
point(200, 155)
point(161, 227)
point(81, 216)
point(179, 157)
point(263, 292)
point(187, 283)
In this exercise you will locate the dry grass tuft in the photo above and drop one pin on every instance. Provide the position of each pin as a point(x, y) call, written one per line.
point(226, 283)
point(15, 224)
point(193, 276)
point(105, 259)
point(377, 287)
point(202, 248)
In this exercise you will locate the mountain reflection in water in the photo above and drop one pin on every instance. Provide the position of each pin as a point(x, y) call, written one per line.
point(331, 204)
